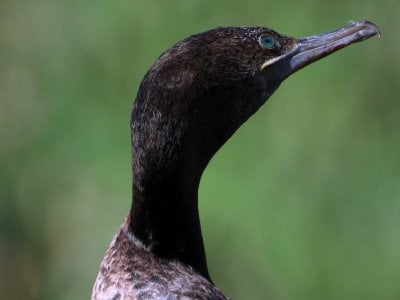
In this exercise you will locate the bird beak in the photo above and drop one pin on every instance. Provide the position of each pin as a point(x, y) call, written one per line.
point(309, 49)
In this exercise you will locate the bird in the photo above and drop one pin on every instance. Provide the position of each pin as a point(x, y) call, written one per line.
point(189, 103)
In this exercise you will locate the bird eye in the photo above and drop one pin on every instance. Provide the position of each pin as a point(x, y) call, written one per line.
point(267, 41)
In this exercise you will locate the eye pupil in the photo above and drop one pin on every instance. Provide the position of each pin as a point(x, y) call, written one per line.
point(267, 41)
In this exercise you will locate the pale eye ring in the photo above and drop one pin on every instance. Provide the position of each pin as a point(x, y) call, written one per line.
point(267, 41)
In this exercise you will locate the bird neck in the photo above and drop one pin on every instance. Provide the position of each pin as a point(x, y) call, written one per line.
point(173, 139)
point(164, 214)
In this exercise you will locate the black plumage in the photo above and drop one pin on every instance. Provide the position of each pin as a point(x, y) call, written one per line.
point(195, 96)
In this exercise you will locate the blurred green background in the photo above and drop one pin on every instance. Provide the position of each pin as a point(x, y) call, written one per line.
point(302, 203)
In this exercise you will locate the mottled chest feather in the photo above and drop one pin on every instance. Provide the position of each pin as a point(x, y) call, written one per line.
point(130, 271)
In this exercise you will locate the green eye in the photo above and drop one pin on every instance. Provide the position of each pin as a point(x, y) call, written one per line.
point(267, 41)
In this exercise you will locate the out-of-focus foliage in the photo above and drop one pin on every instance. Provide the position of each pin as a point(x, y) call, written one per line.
point(302, 203)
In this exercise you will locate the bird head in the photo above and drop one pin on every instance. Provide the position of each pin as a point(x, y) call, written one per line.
point(202, 89)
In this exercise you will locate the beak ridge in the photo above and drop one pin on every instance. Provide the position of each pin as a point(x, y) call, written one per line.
point(310, 49)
